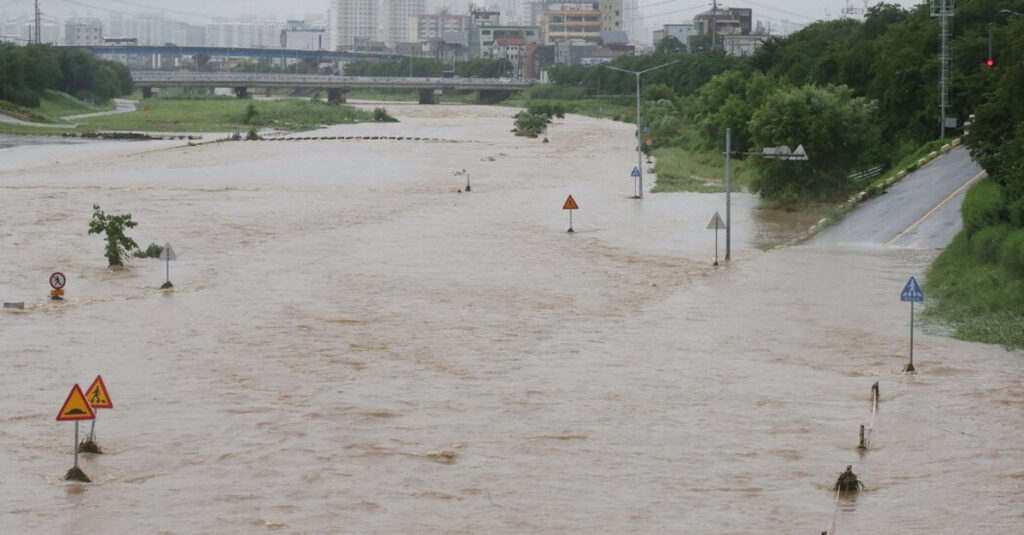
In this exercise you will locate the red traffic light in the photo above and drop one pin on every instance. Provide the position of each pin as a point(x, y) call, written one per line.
point(990, 62)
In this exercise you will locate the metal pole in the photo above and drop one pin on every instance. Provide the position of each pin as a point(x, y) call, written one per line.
point(76, 444)
point(911, 336)
point(92, 427)
point(728, 192)
point(639, 158)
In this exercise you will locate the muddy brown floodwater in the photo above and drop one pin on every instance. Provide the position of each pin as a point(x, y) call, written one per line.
point(351, 345)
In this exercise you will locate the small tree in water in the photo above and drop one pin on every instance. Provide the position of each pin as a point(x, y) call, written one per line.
point(113, 226)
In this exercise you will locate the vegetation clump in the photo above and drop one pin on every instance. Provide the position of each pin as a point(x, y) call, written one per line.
point(536, 118)
point(381, 115)
point(113, 226)
point(152, 251)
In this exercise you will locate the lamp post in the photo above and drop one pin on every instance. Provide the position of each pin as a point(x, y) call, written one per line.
point(639, 139)
point(771, 153)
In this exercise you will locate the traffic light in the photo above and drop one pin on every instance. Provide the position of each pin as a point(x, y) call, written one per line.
point(990, 62)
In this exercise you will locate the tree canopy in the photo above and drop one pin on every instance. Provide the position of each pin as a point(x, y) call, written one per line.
point(27, 71)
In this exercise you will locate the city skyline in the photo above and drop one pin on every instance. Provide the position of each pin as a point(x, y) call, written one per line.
point(655, 12)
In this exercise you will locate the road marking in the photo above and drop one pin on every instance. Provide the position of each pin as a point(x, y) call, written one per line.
point(936, 208)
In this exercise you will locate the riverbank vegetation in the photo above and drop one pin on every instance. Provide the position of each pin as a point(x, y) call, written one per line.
point(28, 72)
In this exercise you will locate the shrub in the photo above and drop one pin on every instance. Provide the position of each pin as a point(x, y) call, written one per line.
point(987, 242)
point(153, 251)
point(984, 205)
point(381, 115)
point(1011, 253)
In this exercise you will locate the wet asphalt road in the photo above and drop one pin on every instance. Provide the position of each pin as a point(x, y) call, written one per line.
point(922, 211)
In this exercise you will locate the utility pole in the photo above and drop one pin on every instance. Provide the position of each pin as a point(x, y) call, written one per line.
point(943, 9)
point(714, 23)
point(39, 25)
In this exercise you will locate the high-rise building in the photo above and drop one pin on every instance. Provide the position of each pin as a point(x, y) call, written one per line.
point(400, 17)
point(354, 20)
point(611, 15)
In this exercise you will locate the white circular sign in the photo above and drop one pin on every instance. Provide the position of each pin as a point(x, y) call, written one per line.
point(57, 280)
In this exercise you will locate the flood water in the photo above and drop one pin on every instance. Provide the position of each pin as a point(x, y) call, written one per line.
point(354, 346)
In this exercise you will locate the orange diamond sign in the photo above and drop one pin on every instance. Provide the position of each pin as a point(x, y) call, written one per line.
point(97, 395)
point(75, 407)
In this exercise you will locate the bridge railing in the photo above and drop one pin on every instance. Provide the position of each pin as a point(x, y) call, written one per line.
point(181, 77)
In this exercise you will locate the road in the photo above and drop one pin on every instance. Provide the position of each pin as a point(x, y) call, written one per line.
point(922, 211)
point(121, 106)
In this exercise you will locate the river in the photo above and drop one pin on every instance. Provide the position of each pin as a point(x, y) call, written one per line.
point(354, 345)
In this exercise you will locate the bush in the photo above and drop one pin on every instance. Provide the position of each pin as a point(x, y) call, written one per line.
point(986, 243)
point(984, 206)
point(381, 115)
point(1011, 253)
point(153, 251)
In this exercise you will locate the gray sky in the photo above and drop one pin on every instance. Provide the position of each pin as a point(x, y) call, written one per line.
point(656, 12)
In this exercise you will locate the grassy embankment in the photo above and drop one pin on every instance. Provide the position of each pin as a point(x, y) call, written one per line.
point(976, 285)
point(193, 114)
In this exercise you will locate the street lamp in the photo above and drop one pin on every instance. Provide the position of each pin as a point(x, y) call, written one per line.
point(639, 139)
point(771, 153)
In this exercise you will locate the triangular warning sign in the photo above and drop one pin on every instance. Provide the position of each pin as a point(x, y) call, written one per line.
point(97, 395)
point(716, 222)
point(75, 407)
point(570, 204)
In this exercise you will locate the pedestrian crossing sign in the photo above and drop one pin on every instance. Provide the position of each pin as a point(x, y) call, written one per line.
point(97, 395)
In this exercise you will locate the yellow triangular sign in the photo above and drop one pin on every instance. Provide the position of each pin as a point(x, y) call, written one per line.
point(97, 395)
point(75, 407)
point(570, 204)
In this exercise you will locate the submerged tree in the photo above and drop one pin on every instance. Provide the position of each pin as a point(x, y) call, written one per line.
point(113, 226)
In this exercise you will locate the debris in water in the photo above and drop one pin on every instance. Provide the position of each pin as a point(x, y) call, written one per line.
point(848, 481)
point(443, 457)
point(76, 474)
point(88, 446)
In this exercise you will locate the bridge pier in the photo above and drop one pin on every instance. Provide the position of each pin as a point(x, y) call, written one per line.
point(430, 96)
point(242, 92)
point(147, 92)
point(336, 95)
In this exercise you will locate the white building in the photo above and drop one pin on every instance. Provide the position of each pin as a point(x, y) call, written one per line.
point(354, 20)
point(249, 33)
point(83, 31)
point(400, 17)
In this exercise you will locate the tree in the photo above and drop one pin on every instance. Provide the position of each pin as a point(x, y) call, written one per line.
point(669, 44)
point(836, 129)
point(118, 244)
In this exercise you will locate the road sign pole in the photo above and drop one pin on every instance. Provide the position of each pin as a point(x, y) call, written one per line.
point(728, 191)
point(92, 429)
point(716, 245)
point(570, 221)
point(911, 366)
point(76, 444)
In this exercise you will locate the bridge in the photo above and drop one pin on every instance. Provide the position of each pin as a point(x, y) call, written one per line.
point(429, 88)
point(236, 52)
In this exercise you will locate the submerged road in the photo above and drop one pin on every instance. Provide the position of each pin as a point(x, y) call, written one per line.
point(922, 211)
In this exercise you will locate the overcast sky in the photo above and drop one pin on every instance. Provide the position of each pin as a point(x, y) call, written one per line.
point(656, 12)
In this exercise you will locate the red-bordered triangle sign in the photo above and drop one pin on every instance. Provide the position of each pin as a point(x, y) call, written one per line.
point(570, 204)
point(75, 407)
point(97, 395)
